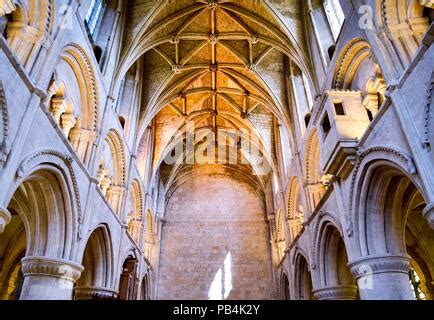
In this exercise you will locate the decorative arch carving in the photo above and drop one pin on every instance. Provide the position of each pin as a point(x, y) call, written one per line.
point(403, 24)
point(112, 171)
point(428, 114)
point(65, 163)
point(312, 174)
point(295, 213)
point(4, 137)
point(32, 24)
point(351, 57)
point(135, 216)
point(78, 122)
point(364, 161)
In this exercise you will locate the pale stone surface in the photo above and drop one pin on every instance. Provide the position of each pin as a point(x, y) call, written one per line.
point(215, 224)
point(345, 118)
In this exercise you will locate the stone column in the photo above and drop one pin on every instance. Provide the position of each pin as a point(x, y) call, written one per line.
point(48, 278)
point(343, 292)
point(383, 277)
point(5, 218)
point(95, 293)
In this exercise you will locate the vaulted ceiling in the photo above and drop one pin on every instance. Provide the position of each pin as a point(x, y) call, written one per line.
point(221, 64)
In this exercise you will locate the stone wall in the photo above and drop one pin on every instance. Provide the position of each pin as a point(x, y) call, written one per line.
point(215, 224)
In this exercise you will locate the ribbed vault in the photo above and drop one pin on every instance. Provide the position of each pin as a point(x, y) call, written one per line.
point(217, 64)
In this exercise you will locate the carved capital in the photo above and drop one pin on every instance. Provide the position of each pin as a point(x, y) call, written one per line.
point(344, 292)
point(380, 264)
point(58, 268)
point(5, 218)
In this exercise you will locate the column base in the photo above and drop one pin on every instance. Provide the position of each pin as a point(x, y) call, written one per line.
point(94, 293)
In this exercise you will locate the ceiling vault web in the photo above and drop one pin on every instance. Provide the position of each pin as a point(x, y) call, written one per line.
point(216, 63)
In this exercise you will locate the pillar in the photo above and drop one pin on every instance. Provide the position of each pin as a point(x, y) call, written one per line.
point(383, 277)
point(48, 278)
point(5, 218)
point(340, 292)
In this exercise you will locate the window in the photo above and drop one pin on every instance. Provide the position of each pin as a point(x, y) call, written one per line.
point(335, 16)
point(326, 126)
point(339, 108)
point(94, 15)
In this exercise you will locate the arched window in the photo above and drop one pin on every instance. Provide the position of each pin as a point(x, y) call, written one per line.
point(94, 16)
point(335, 16)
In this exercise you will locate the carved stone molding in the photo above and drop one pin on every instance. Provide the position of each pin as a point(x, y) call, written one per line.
point(5, 218)
point(428, 123)
point(380, 264)
point(344, 292)
point(53, 156)
point(58, 268)
point(4, 143)
point(361, 155)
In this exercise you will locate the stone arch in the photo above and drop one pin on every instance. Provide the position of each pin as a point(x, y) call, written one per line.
point(295, 212)
point(336, 280)
point(404, 26)
point(129, 281)
point(394, 233)
point(312, 175)
point(78, 119)
point(350, 59)
point(42, 229)
point(284, 287)
point(302, 278)
point(4, 130)
point(356, 60)
point(56, 172)
point(146, 288)
point(30, 24)
point(135, 216)
point(97, 259)
point(112, 170)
